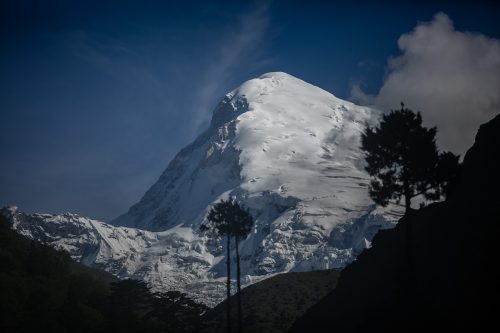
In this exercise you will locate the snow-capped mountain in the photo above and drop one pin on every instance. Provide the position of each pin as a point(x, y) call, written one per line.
point(287, 150)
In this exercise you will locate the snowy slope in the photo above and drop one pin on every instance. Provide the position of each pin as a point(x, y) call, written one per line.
point(284, 148)
point(173, 259)
point(290, 152)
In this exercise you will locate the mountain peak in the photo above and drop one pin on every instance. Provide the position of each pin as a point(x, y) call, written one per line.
point(263, 135)
point(276, 74)
point(286, 150)
point(274, 82)
point(271, 92)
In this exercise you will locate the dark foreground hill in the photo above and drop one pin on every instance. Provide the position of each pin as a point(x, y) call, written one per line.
point(44, 290)
point(438, 269)
point(275, 303)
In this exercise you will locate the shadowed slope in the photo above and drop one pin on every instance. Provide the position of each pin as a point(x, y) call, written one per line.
point(273, 304)
point(436, 269)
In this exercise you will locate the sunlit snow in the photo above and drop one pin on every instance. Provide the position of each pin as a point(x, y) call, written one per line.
point(287, 150)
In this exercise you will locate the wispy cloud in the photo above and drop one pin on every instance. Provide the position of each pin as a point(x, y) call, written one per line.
point(120, 99)
point(239, 45)
point(452, 77)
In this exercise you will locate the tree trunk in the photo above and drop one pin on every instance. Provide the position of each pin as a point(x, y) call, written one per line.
point(407, 203)
point(238, 283)
point(407, 196)
point(228, 286)
point(410, 279)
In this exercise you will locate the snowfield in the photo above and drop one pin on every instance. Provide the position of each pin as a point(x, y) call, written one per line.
point(287, 150)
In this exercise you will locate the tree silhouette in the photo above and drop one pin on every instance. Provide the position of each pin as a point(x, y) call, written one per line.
point(243, 223)
point(447, 172)
point(127, 303)
point(229, 219)
point(403, 159)
point(176, 311)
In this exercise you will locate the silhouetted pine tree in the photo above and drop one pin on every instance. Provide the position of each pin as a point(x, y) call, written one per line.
point(243, 223)
point(403, 159)
point(228, 219)
point(127, 303)
point(176, 311)
point(447, 172)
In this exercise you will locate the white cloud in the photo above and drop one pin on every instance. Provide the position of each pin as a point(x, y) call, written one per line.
point(452, 77)
point(358, 96)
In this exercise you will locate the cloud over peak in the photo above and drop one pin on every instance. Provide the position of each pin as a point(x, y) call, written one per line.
point(452, 77)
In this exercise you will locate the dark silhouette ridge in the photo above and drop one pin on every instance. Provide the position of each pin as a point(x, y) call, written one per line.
point(44, 290)
point(436, 270)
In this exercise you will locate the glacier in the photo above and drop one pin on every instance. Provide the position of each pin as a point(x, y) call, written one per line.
point(285, 149)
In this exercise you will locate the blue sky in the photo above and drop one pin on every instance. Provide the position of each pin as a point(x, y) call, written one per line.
point(97, 97)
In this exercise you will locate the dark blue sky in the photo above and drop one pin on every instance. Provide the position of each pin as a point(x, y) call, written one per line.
point(96, 99)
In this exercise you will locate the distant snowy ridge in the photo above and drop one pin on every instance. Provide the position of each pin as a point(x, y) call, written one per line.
point(287, 150)
point(175, 259)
